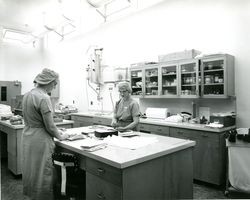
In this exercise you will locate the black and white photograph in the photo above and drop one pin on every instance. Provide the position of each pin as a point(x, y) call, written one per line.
point(124, 99)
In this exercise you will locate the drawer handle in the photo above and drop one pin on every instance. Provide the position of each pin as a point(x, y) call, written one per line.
point(204, 136)
point(142, 127)
point(101, 196)
point(159, 129)
point(101, 171)
point(179, 132)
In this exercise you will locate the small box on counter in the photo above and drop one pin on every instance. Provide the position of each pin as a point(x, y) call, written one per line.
point(225, 120)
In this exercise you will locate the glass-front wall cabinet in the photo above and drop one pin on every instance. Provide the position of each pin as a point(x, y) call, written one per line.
point(151, 81)
point(189, 79)
point(136, 82)
point(207, 77)
point(218, 76)
point(169, 80)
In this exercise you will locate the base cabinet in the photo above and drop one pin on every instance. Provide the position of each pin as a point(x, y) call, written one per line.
point(160, 178)
point(154, 129)
point(102, 121)
point(80, 121)
point(97, 189)
point(209, 154)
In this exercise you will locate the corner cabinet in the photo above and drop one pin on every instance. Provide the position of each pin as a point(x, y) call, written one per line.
point(218, 76)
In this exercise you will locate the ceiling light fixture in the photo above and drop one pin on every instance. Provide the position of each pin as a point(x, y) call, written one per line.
point(107, 8)
point(11, 34)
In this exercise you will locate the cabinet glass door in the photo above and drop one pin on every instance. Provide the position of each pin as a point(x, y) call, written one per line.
point(213, 77)
point(151, 81)
point(136, 82)
point(169, 80)
point(189, 79)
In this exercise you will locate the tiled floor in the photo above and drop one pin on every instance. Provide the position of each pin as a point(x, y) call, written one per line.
point(11, 187)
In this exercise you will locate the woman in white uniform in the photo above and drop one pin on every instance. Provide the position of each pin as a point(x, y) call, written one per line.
point(37, 139)
point(127, 111)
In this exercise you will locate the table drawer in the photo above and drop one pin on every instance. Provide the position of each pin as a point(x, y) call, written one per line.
point(97, 188)
point(104, 171)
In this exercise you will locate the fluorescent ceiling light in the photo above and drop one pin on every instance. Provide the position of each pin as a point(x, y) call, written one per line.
point(98, 3)
point(110, 7)
point(9, 34)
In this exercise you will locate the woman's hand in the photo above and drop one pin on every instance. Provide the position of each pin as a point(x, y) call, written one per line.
point(63, 135)
point(121, 129)
point(114, 123)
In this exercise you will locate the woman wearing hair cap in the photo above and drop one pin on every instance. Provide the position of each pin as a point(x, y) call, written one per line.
point(127, 111)
point(37, 139)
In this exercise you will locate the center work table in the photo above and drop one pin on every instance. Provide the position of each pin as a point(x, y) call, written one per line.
point(156, 167)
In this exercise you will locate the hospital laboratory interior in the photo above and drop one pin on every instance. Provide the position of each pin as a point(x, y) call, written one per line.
point(124, 99)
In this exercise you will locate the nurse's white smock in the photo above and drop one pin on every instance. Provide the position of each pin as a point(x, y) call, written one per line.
point(38, 146)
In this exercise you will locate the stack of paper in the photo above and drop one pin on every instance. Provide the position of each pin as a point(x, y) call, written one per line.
point(90, 144)
point(130, 143)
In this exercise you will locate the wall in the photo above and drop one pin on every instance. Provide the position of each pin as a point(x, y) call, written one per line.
point(172, 25)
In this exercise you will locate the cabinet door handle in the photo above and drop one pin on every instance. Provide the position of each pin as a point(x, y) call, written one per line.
point(101, 171)
point(101, 196)
point(204, 136)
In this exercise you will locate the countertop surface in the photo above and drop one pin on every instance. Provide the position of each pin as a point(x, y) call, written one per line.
point(121, 157)
point(161, 122)
point(21, 126)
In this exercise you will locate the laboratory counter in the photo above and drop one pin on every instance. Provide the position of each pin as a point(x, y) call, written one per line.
point(152, 170)
point(209, 153)
point(161, 122)
point(13, 142)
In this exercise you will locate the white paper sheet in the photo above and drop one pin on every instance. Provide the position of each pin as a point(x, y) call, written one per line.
point(130, 143)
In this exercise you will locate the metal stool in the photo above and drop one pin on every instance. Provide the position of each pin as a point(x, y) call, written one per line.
point(69, 179)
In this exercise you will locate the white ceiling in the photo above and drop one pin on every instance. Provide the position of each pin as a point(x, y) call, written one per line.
point(32, 15)
point(28, 15)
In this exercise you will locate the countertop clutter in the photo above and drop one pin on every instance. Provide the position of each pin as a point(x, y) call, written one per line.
point(209, 155)
point(162, 122)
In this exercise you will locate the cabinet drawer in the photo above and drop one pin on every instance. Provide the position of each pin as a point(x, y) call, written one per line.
point(102, 121)
point(161, 130)
point(145, 128)
point(82, 118)
point(190, 134)
point(98, 188)
point(104, 171)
